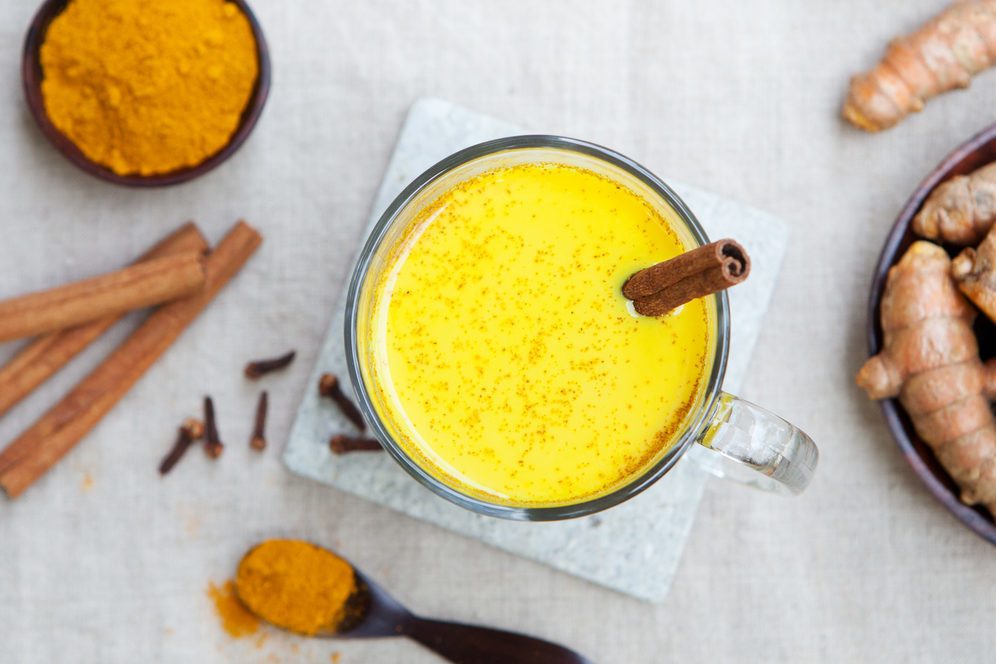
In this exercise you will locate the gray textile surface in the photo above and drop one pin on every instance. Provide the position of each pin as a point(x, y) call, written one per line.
point(738, 98)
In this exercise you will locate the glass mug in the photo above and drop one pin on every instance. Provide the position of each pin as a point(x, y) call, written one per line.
point(726, 435)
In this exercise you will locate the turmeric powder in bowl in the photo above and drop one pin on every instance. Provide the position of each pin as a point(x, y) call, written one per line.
point(147, 88)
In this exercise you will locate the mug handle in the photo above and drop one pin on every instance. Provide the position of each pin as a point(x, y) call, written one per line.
point(750, 445)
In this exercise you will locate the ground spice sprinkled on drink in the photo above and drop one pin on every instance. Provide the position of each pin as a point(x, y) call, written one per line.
point(146, 87)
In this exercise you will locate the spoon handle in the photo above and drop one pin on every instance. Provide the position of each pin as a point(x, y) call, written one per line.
point(469, 644)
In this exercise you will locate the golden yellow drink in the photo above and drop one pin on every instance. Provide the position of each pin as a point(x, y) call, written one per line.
point(505, 359)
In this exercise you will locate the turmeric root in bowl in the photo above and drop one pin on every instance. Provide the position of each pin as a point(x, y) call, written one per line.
point(931, 336)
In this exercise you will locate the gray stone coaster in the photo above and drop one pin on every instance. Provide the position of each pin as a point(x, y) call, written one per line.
point(634, 547)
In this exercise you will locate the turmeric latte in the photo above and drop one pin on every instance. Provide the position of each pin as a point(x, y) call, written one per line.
point(504, 358)
point(147, 87)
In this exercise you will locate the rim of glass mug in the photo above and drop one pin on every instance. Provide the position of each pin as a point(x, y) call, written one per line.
point(696, 425)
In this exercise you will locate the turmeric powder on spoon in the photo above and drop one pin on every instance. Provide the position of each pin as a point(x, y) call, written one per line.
point(296, 586)
point(145, 87)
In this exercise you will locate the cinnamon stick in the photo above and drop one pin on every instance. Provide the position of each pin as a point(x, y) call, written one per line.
point(708, 269)
point(135, 287)
point(44, 356)
point(59, 430)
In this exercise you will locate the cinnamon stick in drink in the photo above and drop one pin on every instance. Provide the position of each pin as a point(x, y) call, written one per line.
point(59, 430)
point(46, 355)
point(135, 287)
point(708, 269)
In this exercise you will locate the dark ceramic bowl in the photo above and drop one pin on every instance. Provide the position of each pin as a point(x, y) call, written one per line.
point(31, 73)
point(971, 155)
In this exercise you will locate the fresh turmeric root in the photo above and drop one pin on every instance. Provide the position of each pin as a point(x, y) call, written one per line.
point(975, 272)
point(960, 211)
point(930, 360)
point(942, 55)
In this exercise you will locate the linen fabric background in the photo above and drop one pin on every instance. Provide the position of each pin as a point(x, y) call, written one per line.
point(102, 561)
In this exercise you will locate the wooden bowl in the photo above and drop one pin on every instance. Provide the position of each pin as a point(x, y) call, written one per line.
point(971, 155)
point(31, 73)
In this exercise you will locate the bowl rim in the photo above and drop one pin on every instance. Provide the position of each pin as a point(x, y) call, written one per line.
point(32, 76)
point(898, 423)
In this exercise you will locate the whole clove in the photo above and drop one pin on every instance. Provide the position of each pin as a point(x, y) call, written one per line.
point(190, 432)
point(329, 387)
point(341, 444)
point(212, 445)
point(258, 440)
point(259, 368)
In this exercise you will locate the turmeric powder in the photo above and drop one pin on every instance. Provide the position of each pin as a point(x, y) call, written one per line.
point(296, 585)
point(146, 87)
point(235, 619)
